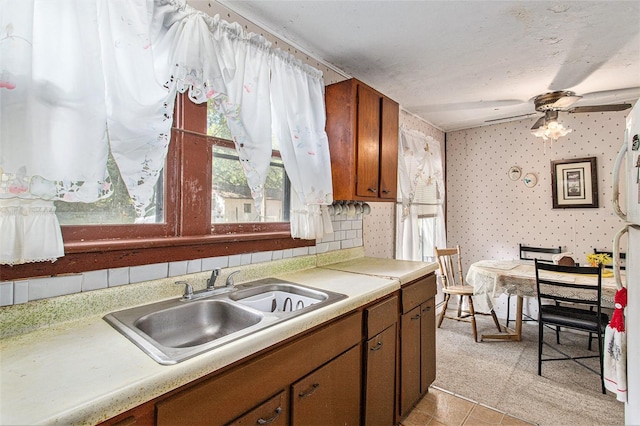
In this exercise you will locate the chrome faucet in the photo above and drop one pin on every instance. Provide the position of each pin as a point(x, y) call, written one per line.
point(211, 282)
point(210, 290)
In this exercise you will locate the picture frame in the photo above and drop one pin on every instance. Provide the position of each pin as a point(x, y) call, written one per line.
point(574, 183)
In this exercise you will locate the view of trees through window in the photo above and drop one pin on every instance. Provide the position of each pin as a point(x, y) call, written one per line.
point(117, 209)
point(231, 200)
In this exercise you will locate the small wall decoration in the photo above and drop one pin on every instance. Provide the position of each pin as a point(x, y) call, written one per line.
point(530, 180)
point(514, 172)
point(574, 183)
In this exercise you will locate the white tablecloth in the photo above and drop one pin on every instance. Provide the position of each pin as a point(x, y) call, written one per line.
point(491, 278)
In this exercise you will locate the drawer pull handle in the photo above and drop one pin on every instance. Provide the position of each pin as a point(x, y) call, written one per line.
point(427, 309)
point(417, 316)
point(310, 392)
point(377, 347)
point(262, 421)
point(372, 189)
point(385, 191)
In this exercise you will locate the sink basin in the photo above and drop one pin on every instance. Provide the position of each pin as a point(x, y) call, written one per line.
point(174, 330)
point(279, 297)
point(196, 323)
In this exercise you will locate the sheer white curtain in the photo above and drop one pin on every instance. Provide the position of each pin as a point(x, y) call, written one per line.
point(419, 163)
point(81, 77)
point(218, 60)
point(297, 93)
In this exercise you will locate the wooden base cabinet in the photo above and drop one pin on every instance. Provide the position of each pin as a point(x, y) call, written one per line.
point(274, 412)
point(368, 367)
point(244, 389)
point(417, 342)
point(329, 395)
point(379, 361)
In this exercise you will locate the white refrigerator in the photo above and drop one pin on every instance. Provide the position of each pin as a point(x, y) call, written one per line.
point(628, 181)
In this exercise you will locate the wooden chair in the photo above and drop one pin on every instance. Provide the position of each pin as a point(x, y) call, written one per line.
point(450, 263)
point(623, 257)
point(526, 254)
point(591, 320)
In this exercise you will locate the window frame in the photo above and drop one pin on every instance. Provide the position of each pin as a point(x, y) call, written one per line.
point(187, 232)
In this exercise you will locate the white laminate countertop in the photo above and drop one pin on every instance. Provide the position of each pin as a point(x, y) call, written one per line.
point(402, 270)
point(85, 372)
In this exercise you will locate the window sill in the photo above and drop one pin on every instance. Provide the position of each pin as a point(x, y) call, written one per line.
point(83, 256)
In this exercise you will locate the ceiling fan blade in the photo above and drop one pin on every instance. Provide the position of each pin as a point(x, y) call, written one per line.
point(509, 118)
point(566, 101)
point(611, 96)
point(599, 108)
point(538, 123)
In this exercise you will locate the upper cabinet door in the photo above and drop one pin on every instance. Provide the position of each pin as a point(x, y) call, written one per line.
point(389, 150)
point(368, 146)
point(362, 126)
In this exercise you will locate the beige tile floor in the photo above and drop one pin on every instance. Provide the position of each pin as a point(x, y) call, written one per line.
point(442, 408)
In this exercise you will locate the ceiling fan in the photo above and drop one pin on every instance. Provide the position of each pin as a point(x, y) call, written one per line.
point(561, 101)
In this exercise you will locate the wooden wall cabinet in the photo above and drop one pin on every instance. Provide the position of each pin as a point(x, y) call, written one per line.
point(417, 367)
point(362, 127)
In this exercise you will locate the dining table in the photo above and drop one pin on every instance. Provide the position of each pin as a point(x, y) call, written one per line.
point(492, 278)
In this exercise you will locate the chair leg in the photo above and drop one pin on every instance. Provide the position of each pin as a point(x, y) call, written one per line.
point(590, 338)
point(540, 337)
point(558, 335)
point(600, 352)
point(460, 299)
point(444, 309)
point(472, 313)
point(508, 308)
point(495, 320)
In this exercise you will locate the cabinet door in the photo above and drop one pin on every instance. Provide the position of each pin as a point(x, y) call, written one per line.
point(427, 344)
point(389, 150)
point(331, 394)
point(274, 411)
point(368, 145)
point(410, 359)
point(380, 391)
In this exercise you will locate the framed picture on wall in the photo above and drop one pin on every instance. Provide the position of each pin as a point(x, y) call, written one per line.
point(574, 183)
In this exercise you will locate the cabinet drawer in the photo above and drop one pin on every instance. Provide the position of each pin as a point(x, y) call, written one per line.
point(381, 316)
point(274, 411)
point(416, 292)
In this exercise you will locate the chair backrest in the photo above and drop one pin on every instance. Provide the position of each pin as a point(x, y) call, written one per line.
point(558, 288)
point(450, 263)
point(525, 250)
point(623, 257)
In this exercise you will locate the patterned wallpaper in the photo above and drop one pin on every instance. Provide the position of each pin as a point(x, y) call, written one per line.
point(488, 214)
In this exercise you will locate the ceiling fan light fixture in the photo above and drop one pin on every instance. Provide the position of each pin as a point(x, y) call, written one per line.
point(551, 129)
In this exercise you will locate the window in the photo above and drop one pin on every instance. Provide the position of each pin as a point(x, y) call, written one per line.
point(185, 223)
point(231, 198)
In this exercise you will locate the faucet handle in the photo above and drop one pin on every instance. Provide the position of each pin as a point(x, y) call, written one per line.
point(230, 282)
point(188, 289)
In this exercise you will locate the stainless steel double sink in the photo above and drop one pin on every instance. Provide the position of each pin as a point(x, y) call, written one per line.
point(173, 330)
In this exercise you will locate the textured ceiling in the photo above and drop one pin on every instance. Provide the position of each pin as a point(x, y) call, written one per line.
point(458, 64)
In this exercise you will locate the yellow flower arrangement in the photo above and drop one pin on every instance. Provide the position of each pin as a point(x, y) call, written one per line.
point(597, 259)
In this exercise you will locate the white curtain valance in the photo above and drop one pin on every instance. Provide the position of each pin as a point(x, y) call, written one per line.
point(79, 78)
point(30, 231)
